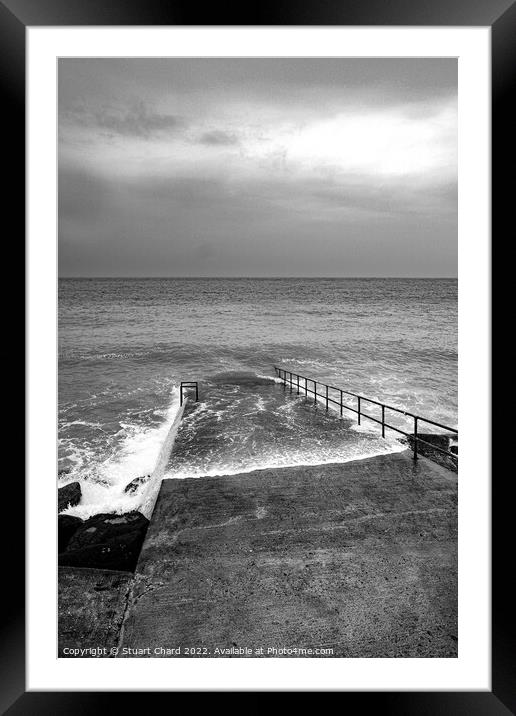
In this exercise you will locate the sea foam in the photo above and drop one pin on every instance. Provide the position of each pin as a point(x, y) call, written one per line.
point(140, 453)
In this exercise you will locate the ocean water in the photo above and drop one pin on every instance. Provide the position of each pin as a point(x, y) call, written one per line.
point(125, 345)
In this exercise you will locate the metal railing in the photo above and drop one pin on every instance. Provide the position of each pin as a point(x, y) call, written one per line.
point(293, 379)
point(188, 385)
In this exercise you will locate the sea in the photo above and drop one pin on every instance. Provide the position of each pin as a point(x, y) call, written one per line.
point(126, 344)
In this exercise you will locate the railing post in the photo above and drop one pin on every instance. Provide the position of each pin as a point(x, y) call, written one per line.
point(315, 392)
point(297, 384)
point(415, 438)
point(290, 381)
point(383, 421)
point(188, 385)
point(306, 388)
point(341, 403)
point(359, 410)
point(326, 397)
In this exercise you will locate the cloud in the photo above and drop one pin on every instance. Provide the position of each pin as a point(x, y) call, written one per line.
point(81, 195)
point(250, 168)
point(136, 121)
point(218, 137)
point(192, 226)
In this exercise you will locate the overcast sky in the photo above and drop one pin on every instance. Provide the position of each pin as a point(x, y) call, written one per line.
point(257, 167)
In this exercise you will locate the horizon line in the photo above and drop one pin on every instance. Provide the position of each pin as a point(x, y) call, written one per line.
point(429, 278)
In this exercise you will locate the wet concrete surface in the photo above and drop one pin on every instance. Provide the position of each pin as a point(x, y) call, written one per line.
point(92, 605)
point(357, 558)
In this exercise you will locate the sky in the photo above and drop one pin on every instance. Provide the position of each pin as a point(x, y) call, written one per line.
point(257, 167)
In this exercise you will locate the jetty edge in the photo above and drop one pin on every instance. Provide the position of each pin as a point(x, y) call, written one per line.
point(97, 558)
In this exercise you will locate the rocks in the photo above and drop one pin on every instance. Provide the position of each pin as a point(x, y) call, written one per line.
point(135, 484)
point(427, 444)
point(68, 496)
point(442, 440)
point(107, 541)
point(66, 527)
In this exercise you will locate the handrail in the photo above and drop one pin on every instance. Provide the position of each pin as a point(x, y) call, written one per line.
point(358, 411)
point(188, 385)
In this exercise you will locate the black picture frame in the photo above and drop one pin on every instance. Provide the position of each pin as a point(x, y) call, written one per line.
point(500, 15)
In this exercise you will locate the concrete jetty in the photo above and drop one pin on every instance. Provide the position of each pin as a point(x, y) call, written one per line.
point(92, 605)
point(357, 559)
point(354, 559)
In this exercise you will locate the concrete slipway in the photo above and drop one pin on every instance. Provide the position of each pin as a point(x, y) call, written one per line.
point(358, 558)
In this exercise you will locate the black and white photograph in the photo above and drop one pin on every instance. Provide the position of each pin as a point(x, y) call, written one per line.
point(258, 451)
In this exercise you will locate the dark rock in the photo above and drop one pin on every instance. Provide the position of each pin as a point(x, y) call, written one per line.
point(442, 440)
point(427, 444)
point(66, 527)
point(68, 496)
point(107, 541)
point(135, 484)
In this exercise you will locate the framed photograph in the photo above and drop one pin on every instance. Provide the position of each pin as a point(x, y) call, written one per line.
point(259, 316)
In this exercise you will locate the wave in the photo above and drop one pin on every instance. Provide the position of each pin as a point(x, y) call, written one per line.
point(289, 461)
point(245, 378)
point(244, 426)
point(103, 481)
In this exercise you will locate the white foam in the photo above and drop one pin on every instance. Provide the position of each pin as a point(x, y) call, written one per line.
point(272, 378)
point(290, 460)
point(86, 423)
point(140, 450)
